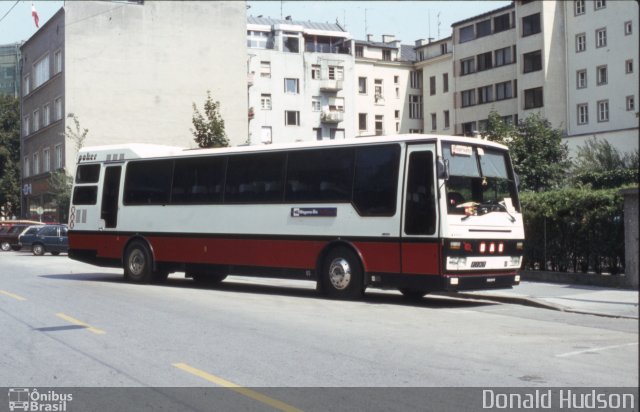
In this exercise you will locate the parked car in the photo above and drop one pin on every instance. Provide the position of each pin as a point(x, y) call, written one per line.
point(52, 239)
point(9, 236)
point(28, 235)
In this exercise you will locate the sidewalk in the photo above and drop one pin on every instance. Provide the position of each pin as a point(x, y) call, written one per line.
point(616, 303)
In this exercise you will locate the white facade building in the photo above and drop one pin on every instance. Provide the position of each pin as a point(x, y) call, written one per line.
point(301, 81)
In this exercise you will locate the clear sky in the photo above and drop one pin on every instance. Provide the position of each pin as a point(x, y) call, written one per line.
point(407, 20)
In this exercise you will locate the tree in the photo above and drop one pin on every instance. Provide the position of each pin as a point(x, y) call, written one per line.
point(209, 131)
point(77, 136)
point(9, 156)
point(60, 187)
point(600, 165)
point(539, 157)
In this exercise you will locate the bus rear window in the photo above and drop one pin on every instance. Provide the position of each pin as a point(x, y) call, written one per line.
point(88, 174)
point(85, 195)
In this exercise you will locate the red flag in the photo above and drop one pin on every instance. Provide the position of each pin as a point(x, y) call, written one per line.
point(34, 13)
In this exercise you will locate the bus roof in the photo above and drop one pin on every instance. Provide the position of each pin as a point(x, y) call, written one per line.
point(142, 150)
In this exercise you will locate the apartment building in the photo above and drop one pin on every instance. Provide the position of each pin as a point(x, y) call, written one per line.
point(435, 61)
point(301, 81)
point(9, 64)
point(129, 71)
point(389, 97)
point(602, 72)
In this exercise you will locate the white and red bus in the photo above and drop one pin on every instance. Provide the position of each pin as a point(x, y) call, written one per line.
point(419, 213)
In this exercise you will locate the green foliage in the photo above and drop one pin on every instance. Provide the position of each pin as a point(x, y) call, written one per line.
point(600, 165)
point(209, 131)
point(60, 187)
point(539, 157)
point(77, 135)
point(9, 155)
point(578, 229)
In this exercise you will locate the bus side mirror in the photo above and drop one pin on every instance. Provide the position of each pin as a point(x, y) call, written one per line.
point(443, 168)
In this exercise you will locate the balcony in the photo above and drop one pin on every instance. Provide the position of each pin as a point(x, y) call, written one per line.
point(331, 117)
point(329, 85)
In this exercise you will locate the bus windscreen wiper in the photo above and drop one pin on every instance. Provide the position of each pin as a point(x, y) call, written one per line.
point(488, 207)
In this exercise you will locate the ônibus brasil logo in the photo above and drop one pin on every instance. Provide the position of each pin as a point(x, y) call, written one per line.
point(25, 399)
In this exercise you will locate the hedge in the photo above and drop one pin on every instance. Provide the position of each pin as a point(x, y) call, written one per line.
point(577, 230)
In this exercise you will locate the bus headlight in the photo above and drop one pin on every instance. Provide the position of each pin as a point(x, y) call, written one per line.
point(515, 260)
point(457, 261)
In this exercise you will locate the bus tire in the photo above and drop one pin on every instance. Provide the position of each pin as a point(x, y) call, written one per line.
point(38, 249)
point(342, 275)
point(413, 294)
point(138, 263)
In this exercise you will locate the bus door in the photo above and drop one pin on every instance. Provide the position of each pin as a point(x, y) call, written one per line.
point(420, 246)
point(110, 191)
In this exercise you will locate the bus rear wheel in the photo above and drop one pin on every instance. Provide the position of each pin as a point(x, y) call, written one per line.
point(342, 274)
point(138, 263)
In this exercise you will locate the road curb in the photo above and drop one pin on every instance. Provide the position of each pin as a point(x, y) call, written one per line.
point(533, 302)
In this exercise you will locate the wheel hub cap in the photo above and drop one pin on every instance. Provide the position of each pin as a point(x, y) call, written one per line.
point(340, 273)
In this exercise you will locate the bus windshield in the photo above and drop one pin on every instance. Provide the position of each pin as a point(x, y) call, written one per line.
point(479, 176)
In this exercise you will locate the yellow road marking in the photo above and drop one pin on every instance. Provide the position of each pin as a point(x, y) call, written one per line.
point(12, 295)
point(78, 322)
point(237, 388)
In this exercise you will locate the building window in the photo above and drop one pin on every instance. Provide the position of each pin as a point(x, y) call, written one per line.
point(57, 62)
point(468, 97)
point(46, 115)
point(466, 33)
point(600, 4)
point(57, 108)
point(378, 91)
point(415, 79)
point(291, 86)
point(59, 156)
point(532, 61)
point(291, 118)
point(468, 128)
point(484, 61)
point(583, 113)
point(434, 120)
point(396, 79)
point(628, 66)
point(415, 106)
point(265, 101)
point(362, 121)
point(445, 82)
point(291, 44)
point(628, 28)
point(257, 39)
point(359, 51)
point(603, 111)
point(41, 72)
point(336, 73)
point(467, 66)
point(601, 38)
point(446, 119)
point(579, 7)
point(26, 85)
point(485, 94)
point(386, 55)
point(315, 104)
point(362, 85)
point(443, 48)
point(46, 160)
point(504, 91)
point(36, 164)
point(379, 125)
point(581, 42)
point(25, 125)
point(397, 92)
point(397, 127)
point(432, 85)
point(315, 72)
point(26, 166)
point(581, 79)
point(503, 56)
point(265, 69)
point(602, 75)
point(266, 135)
point(533, 98)
point(531, 25)
point(483, 28)
point(396, 114)
point(501, 23)
point(36, 120)
point(631, 103)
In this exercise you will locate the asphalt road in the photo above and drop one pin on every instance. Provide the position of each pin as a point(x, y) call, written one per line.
point(67, 324)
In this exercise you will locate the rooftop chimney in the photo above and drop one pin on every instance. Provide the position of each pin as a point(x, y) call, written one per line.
point(369, 37)
point(388, 38)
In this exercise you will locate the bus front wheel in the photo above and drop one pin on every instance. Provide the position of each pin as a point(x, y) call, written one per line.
point(342, 274)
point(138, 263)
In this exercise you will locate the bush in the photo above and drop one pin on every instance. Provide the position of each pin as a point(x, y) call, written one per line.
point(577, 229)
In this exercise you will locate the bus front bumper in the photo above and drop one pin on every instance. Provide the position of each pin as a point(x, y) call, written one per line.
point(454, 283)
